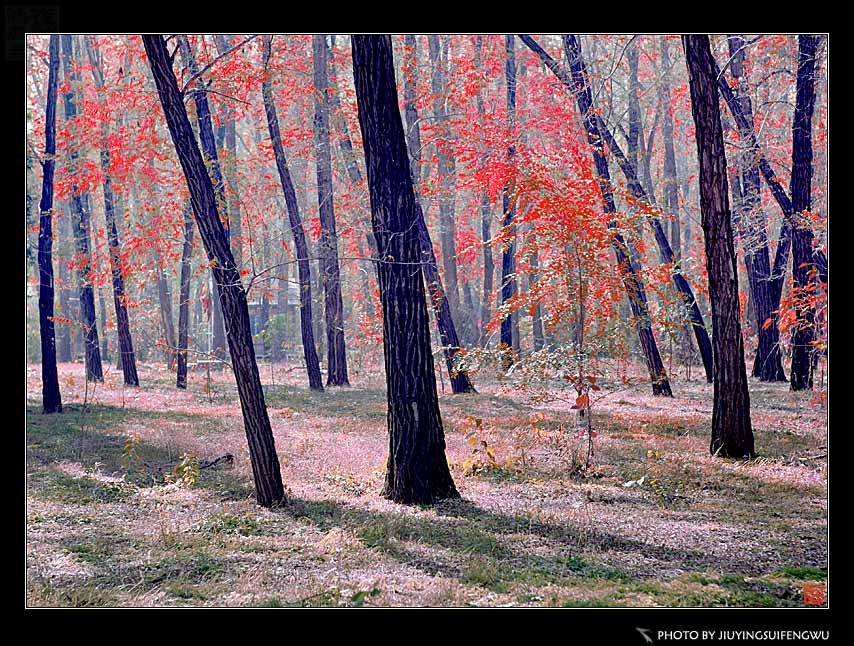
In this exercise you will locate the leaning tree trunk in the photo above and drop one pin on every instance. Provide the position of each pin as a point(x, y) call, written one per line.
point(417, 467)
point(600, 129)
point(262, 449)
point(51, 397)
point(804, 269)
point(732, 435)
point(768, 365)
point(336, 373)
point(80, 207)
point(126, 354)
point(459, 377)
point(184, 300)
point(208, 143)
point(508, 258)
point(315, 379)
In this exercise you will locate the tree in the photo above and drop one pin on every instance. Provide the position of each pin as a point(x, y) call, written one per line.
point(417, 470)
point(804, 269)
point(80, 207)
point(732, 435)
point(315, 379)
point(51, 397)
point(509, 335)
point(262, 450)
point(336, 374)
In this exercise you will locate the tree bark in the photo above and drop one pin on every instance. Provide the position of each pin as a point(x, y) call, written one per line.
point(804, 266)
point(80, 207)
point(336, 368)
point(51, 397)
point(417, 467)
point(732, 435)
point(315, 379)
point(262, 450)
point(126, 353)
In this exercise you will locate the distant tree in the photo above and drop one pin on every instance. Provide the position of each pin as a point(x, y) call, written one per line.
point(80, 207)
point(51, 397)
point(417, 470)
point(732, 435)
point(336, 368)
point(262, 449)
point(509, 336)
point(184, 299)
point(315, 379)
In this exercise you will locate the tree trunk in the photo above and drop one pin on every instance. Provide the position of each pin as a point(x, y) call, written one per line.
point(336, 369)
point(417, 467)
point(102, 312)
point(315, 379)
point(51, 397)
point(262, 450)
point(508, 258)
point(126, 354)
point(80, 207)
point(768, 365)
point(184, 299)
point(164, 297)
point(459, 378)
point(804, 268)
point(732, 435)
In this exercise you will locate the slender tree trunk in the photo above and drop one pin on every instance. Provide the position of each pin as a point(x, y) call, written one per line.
point(732, 435)
point(768, 365)
point(508, 258)
point(804, 269)
point(262, 450)
point(126, 354)
point(51, 397)
point(315, 379)
point(459, 378)
point(102, 312)
point(184, 299)
point(336, 374)
point(417, 467)
point(81, 209)
point(164, 296)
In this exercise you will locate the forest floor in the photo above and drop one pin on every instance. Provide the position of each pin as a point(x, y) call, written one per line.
point(106, 528)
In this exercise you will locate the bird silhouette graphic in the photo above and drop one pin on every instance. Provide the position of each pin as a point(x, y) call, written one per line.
point(644, 632)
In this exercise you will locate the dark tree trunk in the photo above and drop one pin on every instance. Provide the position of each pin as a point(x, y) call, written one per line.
point(804, 269)
point(446, 171)
point(126, 354)
point(417, 467)
point(184, 299)
point(459, 378)
point(209, 151)
point(732, 435)
point(80, 207)
point(51, 397)
point(102, 312)
point(508, 258)
point(485, 229)
point(262, 450)
point(336, 369)
point(768, 364)
point(315, 379)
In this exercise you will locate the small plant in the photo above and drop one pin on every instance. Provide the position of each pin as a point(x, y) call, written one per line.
point(186, 472)
point(132, 454)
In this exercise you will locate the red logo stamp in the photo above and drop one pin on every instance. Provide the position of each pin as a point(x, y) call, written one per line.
point(813, 594)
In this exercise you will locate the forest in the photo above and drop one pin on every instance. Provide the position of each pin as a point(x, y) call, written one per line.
point(442, 320)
